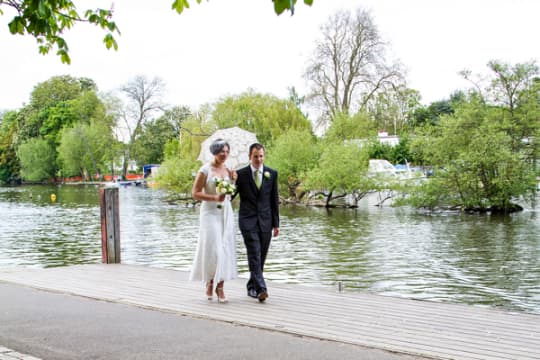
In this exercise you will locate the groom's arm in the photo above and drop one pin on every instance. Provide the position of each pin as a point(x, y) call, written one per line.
point(274, 202)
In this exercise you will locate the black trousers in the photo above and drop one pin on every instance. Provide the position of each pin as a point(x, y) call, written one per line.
point(257, 244)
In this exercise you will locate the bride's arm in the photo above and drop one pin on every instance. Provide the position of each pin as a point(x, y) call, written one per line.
point(197, 192)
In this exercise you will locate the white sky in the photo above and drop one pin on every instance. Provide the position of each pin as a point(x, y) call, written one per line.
point(224, 47)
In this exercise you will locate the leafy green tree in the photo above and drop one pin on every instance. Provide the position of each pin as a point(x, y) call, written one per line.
point(477, 167)
point(176, 117)
point(294, 154)
point(195, 129)
point(430, 115)
point(50, 106)
point(150, 144)
point(85, 150)
point(398, 154)
point(84, 109)
point(341, 171)
point(176, 175)
point(515, 90)
point(37, 159)
point(393, 108)
point(57, 89)
point(347, 127)
point(9, 163)
point(265, 115)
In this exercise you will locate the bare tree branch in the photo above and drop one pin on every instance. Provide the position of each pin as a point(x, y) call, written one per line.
point(348, 65)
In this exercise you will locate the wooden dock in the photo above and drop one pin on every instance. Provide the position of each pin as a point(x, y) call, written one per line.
point(437, 330)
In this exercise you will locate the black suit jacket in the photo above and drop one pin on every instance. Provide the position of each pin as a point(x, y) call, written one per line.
point(259, 208)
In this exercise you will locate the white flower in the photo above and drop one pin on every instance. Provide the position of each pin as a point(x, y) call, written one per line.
point(267, 175)
point(224, 187)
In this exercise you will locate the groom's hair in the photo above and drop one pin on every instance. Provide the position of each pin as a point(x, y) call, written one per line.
point(256, 146)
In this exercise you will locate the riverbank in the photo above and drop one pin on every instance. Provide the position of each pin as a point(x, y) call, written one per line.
point(419, 328)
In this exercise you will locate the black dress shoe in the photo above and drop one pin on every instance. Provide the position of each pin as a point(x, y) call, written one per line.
point(262, 296)
point(252, 293)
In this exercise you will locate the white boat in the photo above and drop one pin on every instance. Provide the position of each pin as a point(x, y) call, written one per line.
point(385, 169)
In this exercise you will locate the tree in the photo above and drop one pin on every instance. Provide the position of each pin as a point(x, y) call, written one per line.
point(505, 84)
point(398, 154)
point(176, 117)
point(150, 144)
point(431, 114)
point(84, 149)
point(510, 81)
point(144, 98)
point(393, 109)
point(341, 171)
point(265, 115)
point(345, 127)
point(9, 163)
point(515, 90)
point(59, 103)
point(476, 166)
point(176, 171)
point(37, 159)
point(348, 66)
point(47, 20)
point(294, 153)
point(50, 109)
point(149, 147)
point(176, 176)
point(84, 109)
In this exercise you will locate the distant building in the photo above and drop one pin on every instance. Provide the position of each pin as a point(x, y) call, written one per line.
point(382, 136)
point(386, 139)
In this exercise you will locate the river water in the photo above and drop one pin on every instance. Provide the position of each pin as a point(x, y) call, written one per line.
point(481, 260)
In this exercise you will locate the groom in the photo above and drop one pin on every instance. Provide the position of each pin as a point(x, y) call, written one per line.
point(258, 216)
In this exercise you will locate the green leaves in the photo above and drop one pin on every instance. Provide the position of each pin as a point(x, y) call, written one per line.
point(37, 160)
point(110, 41)
point(281, 5)
point(47, 20)
point(17, 25)
point(180, 5)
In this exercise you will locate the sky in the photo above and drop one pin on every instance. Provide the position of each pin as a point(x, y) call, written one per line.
point(224, 47)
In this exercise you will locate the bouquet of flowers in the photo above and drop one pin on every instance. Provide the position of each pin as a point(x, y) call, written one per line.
point(224, 187)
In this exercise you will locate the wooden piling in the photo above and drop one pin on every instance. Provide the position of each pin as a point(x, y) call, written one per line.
point(110, 226)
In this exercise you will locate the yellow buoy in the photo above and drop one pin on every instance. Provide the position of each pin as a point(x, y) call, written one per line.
point(53, 197)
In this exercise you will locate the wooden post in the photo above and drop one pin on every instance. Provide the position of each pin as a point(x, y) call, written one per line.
point(110, 226)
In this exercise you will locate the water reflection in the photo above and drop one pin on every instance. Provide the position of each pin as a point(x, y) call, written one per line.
point(482, 260)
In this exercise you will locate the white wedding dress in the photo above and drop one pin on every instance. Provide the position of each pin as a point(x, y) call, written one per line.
point(215, 257)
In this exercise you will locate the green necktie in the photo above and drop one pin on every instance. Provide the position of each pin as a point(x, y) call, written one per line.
point(257, 179)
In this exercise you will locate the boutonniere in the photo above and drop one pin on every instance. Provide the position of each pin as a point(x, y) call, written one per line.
point(267, 175)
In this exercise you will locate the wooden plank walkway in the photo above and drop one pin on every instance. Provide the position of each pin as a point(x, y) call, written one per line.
point(445, 331)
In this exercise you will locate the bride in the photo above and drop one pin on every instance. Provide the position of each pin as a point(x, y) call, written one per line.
point(215, 257)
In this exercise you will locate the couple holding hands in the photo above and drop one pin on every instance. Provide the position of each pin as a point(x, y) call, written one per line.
point(258, 218)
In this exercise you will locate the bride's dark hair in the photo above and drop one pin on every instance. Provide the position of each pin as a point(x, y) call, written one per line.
point(218, 145)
